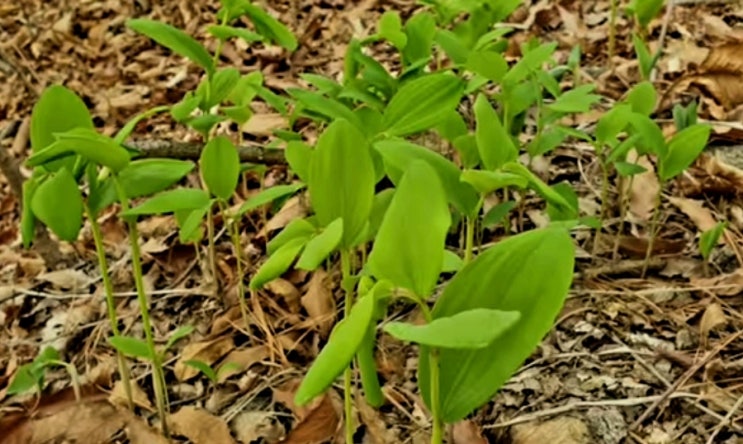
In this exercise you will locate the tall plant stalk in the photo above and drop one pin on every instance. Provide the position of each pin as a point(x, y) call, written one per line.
point(158, 377)
point(348, 372)
point(108, 288)
point(653, 231)
point(612, 32)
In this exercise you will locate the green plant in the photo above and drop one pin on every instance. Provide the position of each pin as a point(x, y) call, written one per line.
point(707, 242)
point(32, 376)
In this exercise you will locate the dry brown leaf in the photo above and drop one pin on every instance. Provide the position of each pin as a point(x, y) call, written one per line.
point(318, 426)
point(467, 432)
point(730, 284)
point(92, 423)
point(286, 291)
point(320, 303)
point(376, 430)
point(264, 124)
point(207, 352)
point(139, 432)
point(139, 397)
point(644, 188)
point(701, 216)
point(564, 430)
point(713, 317)
point(240, 360)
point(200, 426)
point(294, 208)
point(251, 426)
point(68, 279)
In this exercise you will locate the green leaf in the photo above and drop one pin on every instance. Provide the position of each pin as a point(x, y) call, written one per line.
point(529, 273)
point(454, 47)
point(182, 110)
point(421, 104)
point(224, 33)
point(26, 378)
point(131, 347)
point(645, 10)
point(132, 123)
point(297, 229)
point(558, 213)
point(344, 341)
point(28, 220)
point(178, 334)
point(189, 223)
point(87, 143)
point(549, 194)
point(493, 141)
point(390, 28)
point(324, 106)
point(627, 169)
point(489, 64)
point(174, 39)
point(367, 366)
point(409, 247)
point(170, 201)
point(651, 138)
point(46, 120)
point(471, 329)
point(298, 155)
point(420, 30)
point(58, 203)
point(267, 196)
point(642, 97)
point(578, 100)
point(683, 150)
point(710, 238)
point(221, 85)
point(269, 27)
point(400, 154)
point(529, 63)
point(204, 123)
point(341, 179)
point(612, 123)
point(220, 167)
point(277, 263)
point(452, 262)
point(319, 247)
point(488, 181)
point(645, 60)
point(498, 214)
point(204, 368)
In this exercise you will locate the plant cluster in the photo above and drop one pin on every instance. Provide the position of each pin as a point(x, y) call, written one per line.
point(391, 242)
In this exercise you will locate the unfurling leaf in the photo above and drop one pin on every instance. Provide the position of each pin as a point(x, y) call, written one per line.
point(682, 150)
point(319, 247)
point(278, 263)
point(58, 203)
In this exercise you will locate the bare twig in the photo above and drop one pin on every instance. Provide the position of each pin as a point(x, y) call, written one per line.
point(727, 419)
point(186, 150)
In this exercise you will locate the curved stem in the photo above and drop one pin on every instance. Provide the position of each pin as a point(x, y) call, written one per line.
point(347, 374)
point(653, 232)
point(108, 288)
point(158, 378)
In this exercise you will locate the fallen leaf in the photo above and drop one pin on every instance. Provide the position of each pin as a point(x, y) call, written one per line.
point(68, 279)
point(240, 360)
point(564, 430)
point(376, 429)
point(319, 302)
point(644, 188)
point(467, 432)
point(139, 397)
point(252, 426)
point(264, 124)
point(294, 208)
point(207, 352)
point(318, 426)
point(701, 216)
point(713, 317)
point(200, 426)
point(730, 284)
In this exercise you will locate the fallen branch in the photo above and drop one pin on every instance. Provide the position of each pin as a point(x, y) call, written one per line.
point(187, 150)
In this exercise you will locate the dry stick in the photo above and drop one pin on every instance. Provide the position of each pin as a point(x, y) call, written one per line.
point(685, 377)
point(187, 150)
point(662, 37)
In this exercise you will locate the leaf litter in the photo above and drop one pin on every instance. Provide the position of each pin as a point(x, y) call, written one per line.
point(621, 340)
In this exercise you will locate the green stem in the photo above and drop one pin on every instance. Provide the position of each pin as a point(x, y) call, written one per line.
point(110, 302)
point(347, 374)
point(212, 253)
point(437, 434)
point(469, 239)
point(604, 204)
point(74, 377)
point(235, 235)
point(158, 378)
point(653, 232)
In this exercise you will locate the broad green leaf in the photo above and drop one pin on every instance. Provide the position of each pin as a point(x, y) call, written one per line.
point(28, 220)
point(204, 368)
point(381, 203)
point(642, 97)
point(269, 27)
point(549, 194)
point(132, 123)
point(189, 223)
point(529, 63)
point(182, 110)
point(344, 341)
point(578, 100)
point(452, 126)
point(619, 151)
point(220, 167)
point(488, 181)
point(498, 213)
point(560, 213)
point(174, 39)
point(471, 329)
point(550, 139)
point(420, 30)
point(178, 334)
point(205, 122)
point(683, 150)
point(220, 86)
point(280, 261)
point(651, 139)
point(131, 347)
point(421, 104)
point(324, 106)
point(224, 32)
point(627, 169)
point(87, 143)
point(170, 201)
point(47, 120)
point(645, 10)
point(267, 196)
point(494, 144)
point(612, 123)
point(400, 154)
point(390, 28)
point(409, 247)
point(26, 378)
point(58, 203)
point(342, 178)
point(246, 88)
point(488, 64)
point(297, 229)
point(529, 273)
point(454, 47)
point(710, 238)
point(466, 146)
point(645, 60)
point(298, 155)
point(319, 247)
point(452, 262)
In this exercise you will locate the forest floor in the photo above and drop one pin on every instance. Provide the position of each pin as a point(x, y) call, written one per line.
point(632, 359)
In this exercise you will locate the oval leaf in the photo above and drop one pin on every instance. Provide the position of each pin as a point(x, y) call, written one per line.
point(87, 143)
point(493, 141)
point(320, 246)
point(471, 329)
point(171, 201)
point(267, 196)
point(529, 273)
point(683, 149)
point(409, 247)
point(278, 263)
point(131, 347)
point(488, 181)
point(58, 203)
point(220, 167)
point(174, 39)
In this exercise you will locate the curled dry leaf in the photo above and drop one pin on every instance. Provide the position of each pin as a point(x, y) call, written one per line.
point(643, 188)
point(319, 302)
point(318, 426)
point(207, 352)
point(252, 426)
point(294, 208)
point(730, 284)
point(67, 279)
point(238, 361)
point(565, 430)
point(701, 216)
point(713, 317)
point(467, 432)
point(200, 426)
point(140, 398)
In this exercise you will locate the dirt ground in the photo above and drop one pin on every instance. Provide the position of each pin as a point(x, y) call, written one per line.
point(647, 360)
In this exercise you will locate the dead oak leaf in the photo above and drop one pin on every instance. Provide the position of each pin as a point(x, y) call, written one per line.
point(200, 426)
